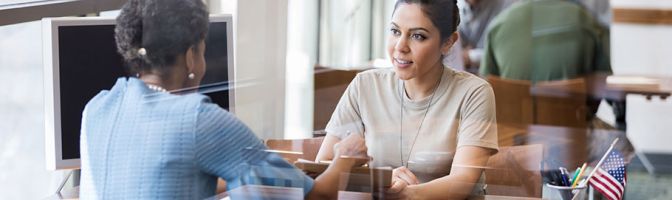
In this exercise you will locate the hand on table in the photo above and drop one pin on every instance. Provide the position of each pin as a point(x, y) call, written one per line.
point(402, 177)
point(352, 147)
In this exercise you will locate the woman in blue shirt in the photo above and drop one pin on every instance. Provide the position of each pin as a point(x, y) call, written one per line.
point(139, 141)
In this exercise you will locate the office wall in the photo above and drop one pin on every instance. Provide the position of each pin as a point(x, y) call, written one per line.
point(641, 49)
point(644, 49)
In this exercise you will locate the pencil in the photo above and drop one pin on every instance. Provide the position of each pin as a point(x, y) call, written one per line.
point(576, 174)
point(576, 180)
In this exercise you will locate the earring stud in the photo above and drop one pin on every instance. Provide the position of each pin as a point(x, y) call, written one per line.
point(191, 75)
point(142, 51)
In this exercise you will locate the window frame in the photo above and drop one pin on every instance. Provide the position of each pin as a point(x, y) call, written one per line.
point(32, 11)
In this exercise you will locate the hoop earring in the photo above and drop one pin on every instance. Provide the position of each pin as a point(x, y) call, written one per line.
point(191, 76)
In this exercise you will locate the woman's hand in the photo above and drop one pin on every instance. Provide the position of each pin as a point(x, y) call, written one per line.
point(402, 178)
point(404, 174)
point(352, 147)
point(397, 191)
point(347, 153)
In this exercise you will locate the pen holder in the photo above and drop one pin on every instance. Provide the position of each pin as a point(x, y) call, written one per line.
point(564, 192)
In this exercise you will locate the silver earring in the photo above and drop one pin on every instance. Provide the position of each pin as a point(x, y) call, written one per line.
point(192, 76)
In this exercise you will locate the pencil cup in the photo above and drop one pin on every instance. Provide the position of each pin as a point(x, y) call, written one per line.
point(564, 192)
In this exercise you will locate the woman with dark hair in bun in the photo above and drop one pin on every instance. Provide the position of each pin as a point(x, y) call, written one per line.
point(140, 141)
point(434, 125)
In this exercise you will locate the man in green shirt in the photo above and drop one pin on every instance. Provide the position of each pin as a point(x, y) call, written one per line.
point(544, 40)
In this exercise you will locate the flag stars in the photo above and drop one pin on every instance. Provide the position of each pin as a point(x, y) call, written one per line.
point(612, 168)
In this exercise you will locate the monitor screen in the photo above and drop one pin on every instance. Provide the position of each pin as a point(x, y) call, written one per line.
point(81, 60)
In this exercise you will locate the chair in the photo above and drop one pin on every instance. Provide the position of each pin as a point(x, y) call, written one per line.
point(515, 171)
point(557, 103)
point(513, 100)
point(561, 103)
point(330, 84)
point(292, 150)
point(514, 108)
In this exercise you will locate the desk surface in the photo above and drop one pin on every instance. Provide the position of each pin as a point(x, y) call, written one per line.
point(569, 146)
point(599, 87)
point(271, 192)
point(562, 143)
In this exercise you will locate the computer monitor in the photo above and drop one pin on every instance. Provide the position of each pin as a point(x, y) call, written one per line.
point(81, 59)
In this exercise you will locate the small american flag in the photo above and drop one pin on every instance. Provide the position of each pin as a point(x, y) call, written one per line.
point(610, 178)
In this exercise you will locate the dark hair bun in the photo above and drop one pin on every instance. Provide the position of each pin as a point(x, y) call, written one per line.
point(150, 34)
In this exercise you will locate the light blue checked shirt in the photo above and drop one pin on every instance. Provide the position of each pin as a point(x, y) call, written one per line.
point(140, 144)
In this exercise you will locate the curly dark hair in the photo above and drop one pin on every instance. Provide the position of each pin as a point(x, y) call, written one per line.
point(444, 14)
point(164, 28)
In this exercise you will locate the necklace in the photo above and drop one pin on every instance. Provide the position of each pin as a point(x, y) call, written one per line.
point(401, 121)
point(156, 88)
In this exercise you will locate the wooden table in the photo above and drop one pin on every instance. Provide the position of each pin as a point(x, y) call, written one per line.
point(272, 192)
point(565, 146)
point(599, 87)
point(614, 89)
point(611, 87)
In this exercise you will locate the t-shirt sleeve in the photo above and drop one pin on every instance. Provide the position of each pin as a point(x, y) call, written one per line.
point(346, 117)
point(226, 148)
point(478, 126)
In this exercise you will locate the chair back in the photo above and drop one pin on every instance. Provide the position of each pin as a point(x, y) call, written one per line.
point(515, 171)
point(513, 101)
point(292, 150)
point(330, 84)
point(561, 103)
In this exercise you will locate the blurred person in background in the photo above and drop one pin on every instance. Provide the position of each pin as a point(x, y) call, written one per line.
point(476, 16)
point(545, 40)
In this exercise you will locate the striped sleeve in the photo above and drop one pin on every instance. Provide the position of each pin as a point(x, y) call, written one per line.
point(226, 148)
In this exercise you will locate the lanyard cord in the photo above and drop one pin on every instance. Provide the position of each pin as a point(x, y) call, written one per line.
point(401, 120)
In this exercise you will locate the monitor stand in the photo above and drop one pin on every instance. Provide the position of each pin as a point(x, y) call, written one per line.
point(73, 190)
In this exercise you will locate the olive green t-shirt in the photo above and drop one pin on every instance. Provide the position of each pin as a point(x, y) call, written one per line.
point(462, 113)
point(545, 40)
